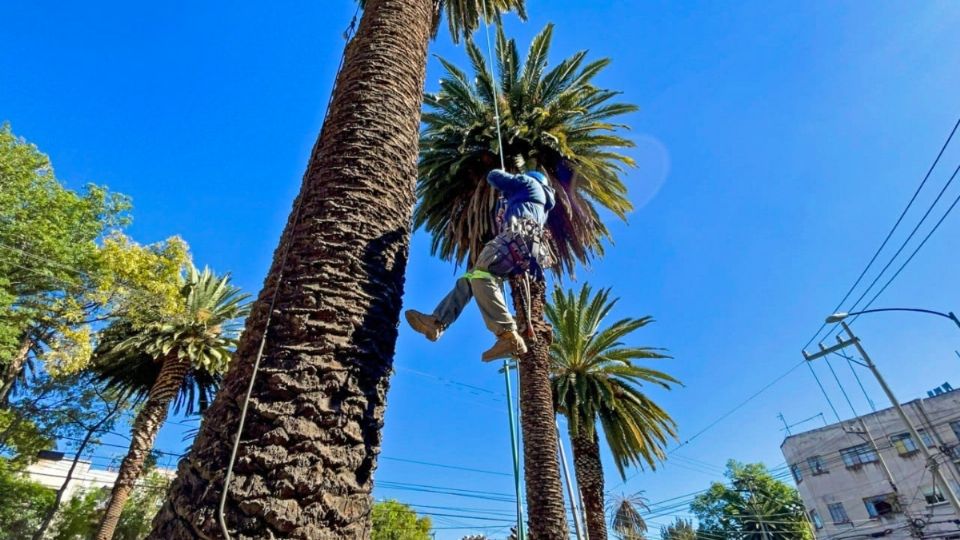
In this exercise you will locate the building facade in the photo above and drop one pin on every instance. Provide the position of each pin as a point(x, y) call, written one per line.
point(867, 477)
point(51, 471)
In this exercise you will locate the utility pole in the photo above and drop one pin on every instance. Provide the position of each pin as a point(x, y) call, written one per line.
point(931, 460)
point(514, 450)
point(577, 525)
point(824, 351)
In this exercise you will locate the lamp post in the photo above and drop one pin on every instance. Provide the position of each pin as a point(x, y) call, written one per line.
point(837, 317)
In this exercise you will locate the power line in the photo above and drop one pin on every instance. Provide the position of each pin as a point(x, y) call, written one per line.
point(892, 229)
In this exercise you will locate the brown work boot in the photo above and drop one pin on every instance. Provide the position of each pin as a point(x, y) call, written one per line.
point(508, 344)
point(427, 325)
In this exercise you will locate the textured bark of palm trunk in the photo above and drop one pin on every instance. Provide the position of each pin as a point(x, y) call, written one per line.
point(545, 511)
point(12, 371)
point(309, 450)
point(145, 428)
point(589, 471)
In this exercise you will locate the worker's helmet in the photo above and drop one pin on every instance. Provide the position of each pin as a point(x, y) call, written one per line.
point(539, 176)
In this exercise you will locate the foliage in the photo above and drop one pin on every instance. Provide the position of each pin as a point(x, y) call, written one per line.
point(754, 506)
point(557, 120)
point(23, 503)
point(47, 242)
point(464, 16)
point(626, 519)
point(21, 438)
point(393, 520)
point(79, 517)
point(680, 529)
point(594, 377)
point(204, 333)
point(55, 408)
point(65, 264)
point(138, 284)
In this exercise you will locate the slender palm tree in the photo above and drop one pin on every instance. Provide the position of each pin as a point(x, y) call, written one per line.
point(176, 362)
point(595, 380)
point(333, 294)
point(555, 119)
point(627, 521)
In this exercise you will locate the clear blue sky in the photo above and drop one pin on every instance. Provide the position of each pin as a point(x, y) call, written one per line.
point(777, 143)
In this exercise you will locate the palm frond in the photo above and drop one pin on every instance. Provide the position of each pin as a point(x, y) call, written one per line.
point(596, 380)
point(128, 359)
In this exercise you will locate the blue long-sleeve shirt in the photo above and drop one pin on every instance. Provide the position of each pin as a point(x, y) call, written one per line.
point(526, 196)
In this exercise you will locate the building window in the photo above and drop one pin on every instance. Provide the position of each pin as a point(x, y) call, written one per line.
point(858, 455)
point(904, 444)
point(881, 505)
point(926, 438)
point(956, 428)
point(933, 495)
point(838, 513)
point(795, 469)
point(816, 465)
point(815, 518)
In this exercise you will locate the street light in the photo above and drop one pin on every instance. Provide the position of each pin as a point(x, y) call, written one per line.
point(837, 317)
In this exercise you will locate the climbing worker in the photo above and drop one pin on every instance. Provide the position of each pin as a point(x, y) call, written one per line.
point(519, 247)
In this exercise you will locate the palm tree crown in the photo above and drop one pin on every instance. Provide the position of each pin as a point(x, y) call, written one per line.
point(464, 16)
point(595, 378)
point(555, 119)
point(203, 333)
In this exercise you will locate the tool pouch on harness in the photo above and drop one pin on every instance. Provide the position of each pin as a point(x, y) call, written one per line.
point(517, 250)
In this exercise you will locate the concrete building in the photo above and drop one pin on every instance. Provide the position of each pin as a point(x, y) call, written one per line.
point(51, 470)
point(867, 477)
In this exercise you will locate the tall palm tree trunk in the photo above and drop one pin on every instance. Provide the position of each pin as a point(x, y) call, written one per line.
point(545, 510)
point(312, 436)
point(12, 370)
point(589, 471)
point(145, 428)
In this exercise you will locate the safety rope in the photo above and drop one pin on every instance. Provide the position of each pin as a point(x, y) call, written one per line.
point(221, 519)
point(493, 87)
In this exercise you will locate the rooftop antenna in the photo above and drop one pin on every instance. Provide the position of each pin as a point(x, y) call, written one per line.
point(785, 426)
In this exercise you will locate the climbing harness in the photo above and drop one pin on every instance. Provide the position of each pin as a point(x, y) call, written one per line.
point(228, 476)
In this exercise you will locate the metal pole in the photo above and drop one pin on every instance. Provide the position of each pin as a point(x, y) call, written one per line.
point(566, 473)
point(514, 450)
point(931, 460)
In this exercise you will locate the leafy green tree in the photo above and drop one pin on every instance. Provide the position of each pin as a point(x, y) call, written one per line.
point(23, 503)
point(65, 264)
point(393, 520)
point(596, 380)
point(338, 274)
point(680, 529)
point(753, 506)
point(48, 251)
point(177, 360)
point(79, 517)
point(556, 119)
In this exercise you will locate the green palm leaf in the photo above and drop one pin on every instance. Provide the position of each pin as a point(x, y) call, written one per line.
point(595, 377)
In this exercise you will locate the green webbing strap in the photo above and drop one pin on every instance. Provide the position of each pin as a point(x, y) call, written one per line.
point(476, 273)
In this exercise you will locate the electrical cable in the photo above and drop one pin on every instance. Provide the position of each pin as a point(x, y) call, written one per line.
point(892, 229)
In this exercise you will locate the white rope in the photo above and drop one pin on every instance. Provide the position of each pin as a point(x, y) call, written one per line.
point(493, 87)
